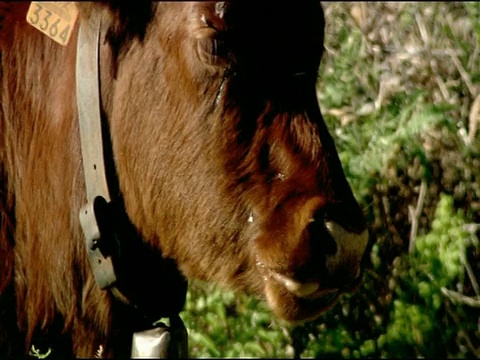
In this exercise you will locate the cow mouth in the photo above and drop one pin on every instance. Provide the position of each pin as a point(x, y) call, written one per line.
point(306, 295)
point(305, 290)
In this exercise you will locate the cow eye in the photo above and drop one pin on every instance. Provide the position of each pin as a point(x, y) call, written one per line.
point(211, 47)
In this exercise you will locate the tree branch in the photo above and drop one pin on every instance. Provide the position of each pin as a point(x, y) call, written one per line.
point(415, 215)
point(456, 297)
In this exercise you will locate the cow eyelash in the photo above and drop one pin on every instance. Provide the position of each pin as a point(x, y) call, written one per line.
point(212, 47)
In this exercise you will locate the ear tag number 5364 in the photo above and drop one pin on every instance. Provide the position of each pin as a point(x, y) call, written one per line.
point(54, 19)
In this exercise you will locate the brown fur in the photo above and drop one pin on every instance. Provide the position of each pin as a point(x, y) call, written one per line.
point(203, 136)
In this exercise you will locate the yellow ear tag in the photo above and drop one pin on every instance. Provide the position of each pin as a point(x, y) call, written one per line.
point(54, 19)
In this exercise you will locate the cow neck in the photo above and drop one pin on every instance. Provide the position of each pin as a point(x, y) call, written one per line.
point(99, 209)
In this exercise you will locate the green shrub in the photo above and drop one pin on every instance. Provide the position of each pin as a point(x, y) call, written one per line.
point(420, 324)
point(222, 323)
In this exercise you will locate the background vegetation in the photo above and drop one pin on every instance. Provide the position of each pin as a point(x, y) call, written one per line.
point(400, 91)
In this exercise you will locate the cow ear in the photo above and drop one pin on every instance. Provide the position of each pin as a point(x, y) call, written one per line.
point(208, 27)
point(10, 14)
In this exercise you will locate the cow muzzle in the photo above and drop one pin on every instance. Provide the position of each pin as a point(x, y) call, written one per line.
point(303, 278)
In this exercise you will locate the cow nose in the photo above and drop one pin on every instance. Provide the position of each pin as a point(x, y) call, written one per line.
point(312, 251)
point(351, 246)
point(317, 231)
point(327, 252)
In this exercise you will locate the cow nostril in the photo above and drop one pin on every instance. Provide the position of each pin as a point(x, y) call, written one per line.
point(320, 235)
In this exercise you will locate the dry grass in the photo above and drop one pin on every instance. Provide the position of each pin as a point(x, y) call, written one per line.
point(409, 46)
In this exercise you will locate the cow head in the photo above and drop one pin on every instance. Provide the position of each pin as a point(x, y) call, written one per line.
point(222, 155)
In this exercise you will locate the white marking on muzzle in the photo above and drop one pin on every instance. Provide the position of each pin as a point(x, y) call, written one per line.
point(350, 248)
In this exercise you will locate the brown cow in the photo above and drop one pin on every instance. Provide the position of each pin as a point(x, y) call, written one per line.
point(223, 170)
